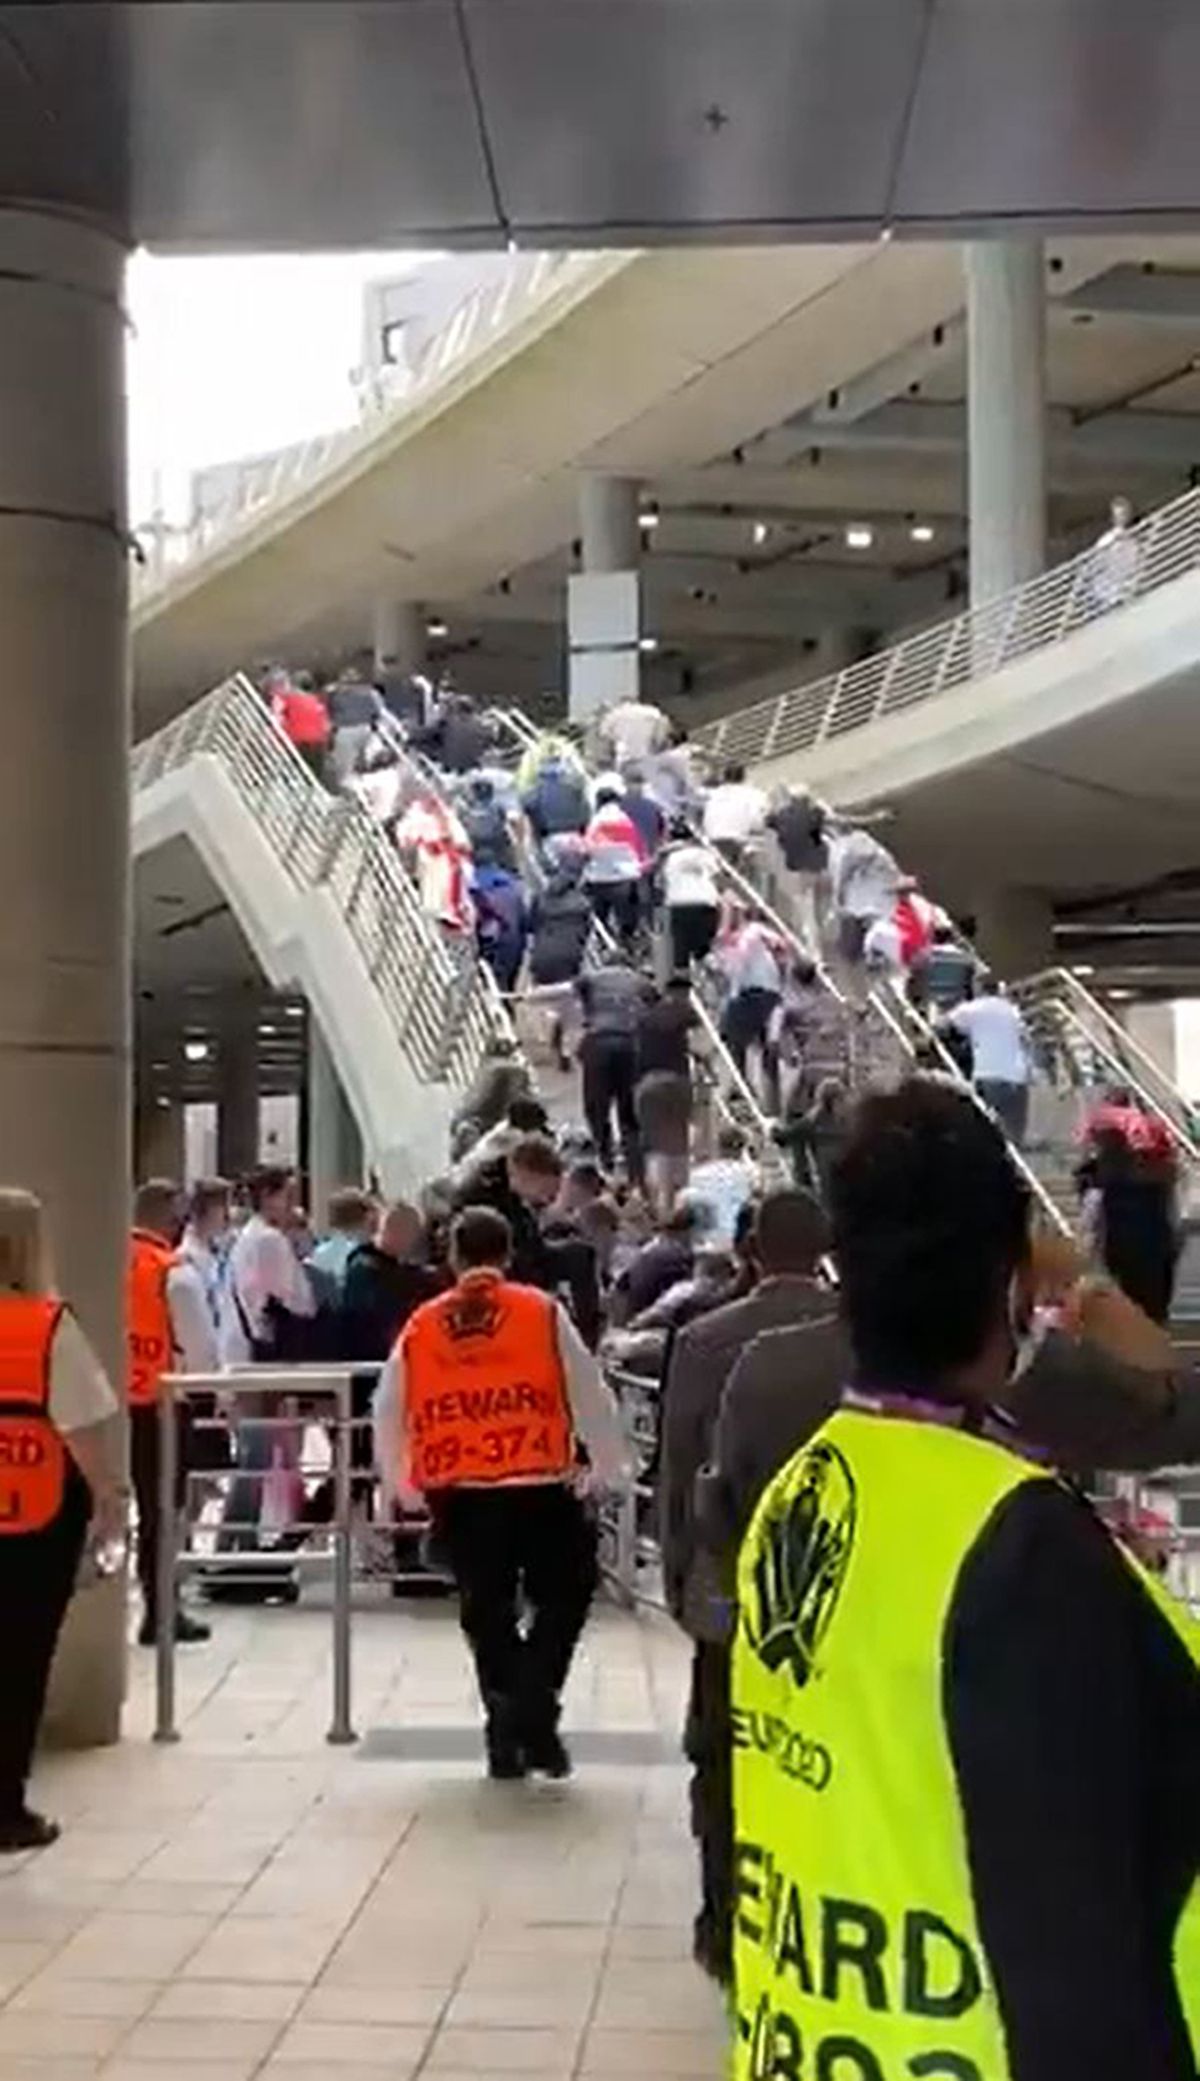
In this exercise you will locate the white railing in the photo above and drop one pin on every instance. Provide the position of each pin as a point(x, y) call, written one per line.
point(1090, 1049)
point(442, 1012)
point(482, 316)
point(952, 654)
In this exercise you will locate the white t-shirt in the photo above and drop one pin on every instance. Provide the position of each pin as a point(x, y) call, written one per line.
point(80, 1391)
point(192, 1325)
point(634, 729)
point(688, 876)
point(724, 1185)
point(996, 1031)
point(735, 810)
point(262, 1267)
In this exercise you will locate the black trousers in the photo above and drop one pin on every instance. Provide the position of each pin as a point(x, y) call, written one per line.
point(617, 904)
point(609, 1062)
point(708, 1746)
point(693, 928)
point(143, 1473)
point(513, 1547)
point(37, 1575)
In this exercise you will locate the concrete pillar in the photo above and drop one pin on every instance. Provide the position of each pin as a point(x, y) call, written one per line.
point(237, 1091)
point(1014, 932)
point(64, 815)
point(1006, 414)
point(398, 635)
point(603, 603)
point(335, 1152)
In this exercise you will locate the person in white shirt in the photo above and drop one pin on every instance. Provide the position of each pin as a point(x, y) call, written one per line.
point(1115, 561)
point(735, 811)
point(723, 1186)
point(205, 1242)
point(632, 732)
point(688, 878)
point(267, 1301)
point(751, 957)
point(267, 1283)
point(1001, 1060)
point(864, 882)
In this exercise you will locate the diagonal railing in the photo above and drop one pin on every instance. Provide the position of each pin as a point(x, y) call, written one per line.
point(1086, 1048)
point(444, 1016)
point(478, 321)
point(1162, 547)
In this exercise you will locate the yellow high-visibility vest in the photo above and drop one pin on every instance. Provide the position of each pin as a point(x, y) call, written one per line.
point(857, 1953)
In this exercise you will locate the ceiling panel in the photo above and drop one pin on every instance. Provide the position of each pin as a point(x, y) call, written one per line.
point(1054, 109)
point(670, 113)
point(323, 123)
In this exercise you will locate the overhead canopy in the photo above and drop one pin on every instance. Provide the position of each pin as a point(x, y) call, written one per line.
point(259, 124)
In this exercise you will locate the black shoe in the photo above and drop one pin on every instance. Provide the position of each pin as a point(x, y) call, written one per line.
point(187, 1630)
point(548, 1754)
point(27, 1831)
point(711, 1950)
point(505, 1758)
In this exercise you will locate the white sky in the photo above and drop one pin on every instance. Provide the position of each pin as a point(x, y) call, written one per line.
point(229, 357)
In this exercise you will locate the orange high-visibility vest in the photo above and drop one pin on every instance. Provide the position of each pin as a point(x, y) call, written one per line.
point(33, 1460)
point(485, 1396)
point(147, 1316)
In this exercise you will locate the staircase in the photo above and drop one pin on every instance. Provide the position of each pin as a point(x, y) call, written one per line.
point(326, 908)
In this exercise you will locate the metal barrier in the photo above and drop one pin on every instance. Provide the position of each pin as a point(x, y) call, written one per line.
point(629, 1548)
point(310, 1384)
point(954, 653)
point(443, 1022)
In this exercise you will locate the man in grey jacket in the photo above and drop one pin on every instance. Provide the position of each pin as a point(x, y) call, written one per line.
point(789, 1238)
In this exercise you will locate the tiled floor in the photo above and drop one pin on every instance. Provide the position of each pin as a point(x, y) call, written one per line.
point(254, 1903)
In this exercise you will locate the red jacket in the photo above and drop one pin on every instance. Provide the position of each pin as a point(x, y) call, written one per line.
point(301, 716)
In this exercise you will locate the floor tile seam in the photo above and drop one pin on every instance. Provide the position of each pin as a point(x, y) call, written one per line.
point(606, 1953)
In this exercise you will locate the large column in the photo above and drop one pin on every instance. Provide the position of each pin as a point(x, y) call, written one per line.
point(237, 1090)
point(64, 814)
point(603, 604)
point(1014, 932)
point(398, 635)
point(334, 1154)
point(1006, 414)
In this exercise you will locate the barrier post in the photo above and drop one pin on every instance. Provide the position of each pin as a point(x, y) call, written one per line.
point(165, 1729)
point(341, 1729)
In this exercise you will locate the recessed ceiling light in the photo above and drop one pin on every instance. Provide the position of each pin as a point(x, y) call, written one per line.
point(920, 531)
point(859, 535)
point(436, 628)
point(648, 643)
point(648, 519)
point(196, 1051)
point(760, 531)
point(269, 1031)
point(1120, 995)
point(1083, 969)
point(295, 1011)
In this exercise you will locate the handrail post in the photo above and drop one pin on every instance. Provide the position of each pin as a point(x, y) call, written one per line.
point(341, 1728)
point(165, 1729)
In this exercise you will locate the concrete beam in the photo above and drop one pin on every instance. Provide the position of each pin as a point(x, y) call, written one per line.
point(1158, 296)
point(1163, 440)
point(892, 376)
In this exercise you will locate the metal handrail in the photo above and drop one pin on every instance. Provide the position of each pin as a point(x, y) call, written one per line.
point(1059, 998)
point(949, 656)
point(483, 315)
point(443, 1020)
